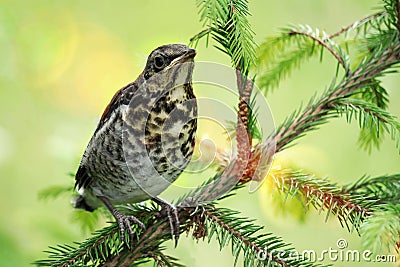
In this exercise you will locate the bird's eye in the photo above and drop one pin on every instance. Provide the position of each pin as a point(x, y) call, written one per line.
point(159, 62)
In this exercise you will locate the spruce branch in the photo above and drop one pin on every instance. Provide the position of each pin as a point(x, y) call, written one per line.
point(392, 7)
point(370, 117)
point(358, 24)
point(279, 55)
point(243, 135)
point(323, 196)
point(242, 234)
point(376, 95)
point(220, 223)
point(370, 205)
point(93, 250)
point(276, 58)
point(163, 260)
point(317, 112)
point(383, 189)
point(101, 246)
point(324, 41)
point(381, 230)
point(226, 22)
point(145, 245)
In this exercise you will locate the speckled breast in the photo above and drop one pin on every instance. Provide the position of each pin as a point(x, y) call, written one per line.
point(159, 137)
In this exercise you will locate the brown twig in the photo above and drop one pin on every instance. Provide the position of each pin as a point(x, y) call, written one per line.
point(337, 202)
point(243, 136)
point(324, 44)
point(359, 22)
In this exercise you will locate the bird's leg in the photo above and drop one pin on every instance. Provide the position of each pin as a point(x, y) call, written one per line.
point(122, 219)
point(172, 213)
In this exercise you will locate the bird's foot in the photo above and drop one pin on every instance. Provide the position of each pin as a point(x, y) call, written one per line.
point(171, 212)
point(124, 221)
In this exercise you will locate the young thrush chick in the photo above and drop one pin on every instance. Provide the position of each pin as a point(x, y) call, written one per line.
point(144, 140)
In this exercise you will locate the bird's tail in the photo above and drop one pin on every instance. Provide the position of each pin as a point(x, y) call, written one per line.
point(80, 203)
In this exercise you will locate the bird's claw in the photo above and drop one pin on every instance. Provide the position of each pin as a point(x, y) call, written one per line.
point(124, 221)
point(171, 212)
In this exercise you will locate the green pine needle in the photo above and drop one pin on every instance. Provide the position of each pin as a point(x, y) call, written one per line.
point(370, 117)
point(381, 231)
point(257, 249)
point(383, 189)
point(226, 22)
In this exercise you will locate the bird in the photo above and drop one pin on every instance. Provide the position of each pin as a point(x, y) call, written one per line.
point(143, 141)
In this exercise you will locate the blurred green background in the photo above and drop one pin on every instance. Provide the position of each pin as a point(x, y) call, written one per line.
point(62, 61)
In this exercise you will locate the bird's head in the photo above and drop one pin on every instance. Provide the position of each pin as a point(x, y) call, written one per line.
point(168, 57)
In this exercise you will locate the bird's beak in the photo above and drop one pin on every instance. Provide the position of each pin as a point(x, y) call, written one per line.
point(187, 57)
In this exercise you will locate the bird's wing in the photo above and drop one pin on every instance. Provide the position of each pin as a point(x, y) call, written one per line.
point(82, 179)
point(121, 97)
